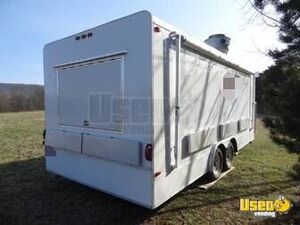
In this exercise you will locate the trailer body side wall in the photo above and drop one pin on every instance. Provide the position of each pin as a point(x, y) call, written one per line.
point(209, 113)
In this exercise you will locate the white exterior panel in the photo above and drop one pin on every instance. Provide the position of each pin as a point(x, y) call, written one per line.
point(96, 82)
point(208, 112)
point(116, 60)
point(64, 140)
point(125, 151)
point(129, 183)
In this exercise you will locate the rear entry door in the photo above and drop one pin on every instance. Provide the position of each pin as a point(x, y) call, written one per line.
point(90, 94)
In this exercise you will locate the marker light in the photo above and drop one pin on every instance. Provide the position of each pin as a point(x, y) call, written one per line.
point(157, 29)
point(148, 152)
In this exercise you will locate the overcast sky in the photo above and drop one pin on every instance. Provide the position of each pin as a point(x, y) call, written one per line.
point(27, 25)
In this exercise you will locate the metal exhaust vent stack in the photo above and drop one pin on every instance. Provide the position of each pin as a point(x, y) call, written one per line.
point(219, 42)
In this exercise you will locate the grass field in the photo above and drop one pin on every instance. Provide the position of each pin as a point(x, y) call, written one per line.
point(30, 195)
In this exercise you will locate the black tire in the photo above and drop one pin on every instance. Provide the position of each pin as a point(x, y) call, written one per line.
point(217, 165)
point(229, 153)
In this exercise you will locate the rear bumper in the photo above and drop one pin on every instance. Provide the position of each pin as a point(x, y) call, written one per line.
point(134, 184)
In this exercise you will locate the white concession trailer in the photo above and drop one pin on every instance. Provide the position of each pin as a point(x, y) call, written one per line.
point(138, 109)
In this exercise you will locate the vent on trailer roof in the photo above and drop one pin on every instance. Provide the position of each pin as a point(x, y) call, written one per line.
point(219, 42)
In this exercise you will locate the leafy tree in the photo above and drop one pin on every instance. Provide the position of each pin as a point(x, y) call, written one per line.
point(280, 84)
point(281, 93)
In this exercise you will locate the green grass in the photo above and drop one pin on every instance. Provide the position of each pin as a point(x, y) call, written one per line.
point(30, 195)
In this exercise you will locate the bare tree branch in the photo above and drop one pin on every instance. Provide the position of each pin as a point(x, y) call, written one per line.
point(262, 13)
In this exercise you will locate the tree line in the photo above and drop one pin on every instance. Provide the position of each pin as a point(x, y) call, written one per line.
point(20, 97)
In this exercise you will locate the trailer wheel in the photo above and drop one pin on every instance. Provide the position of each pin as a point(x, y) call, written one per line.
point(217, 164)
point(228, 156)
